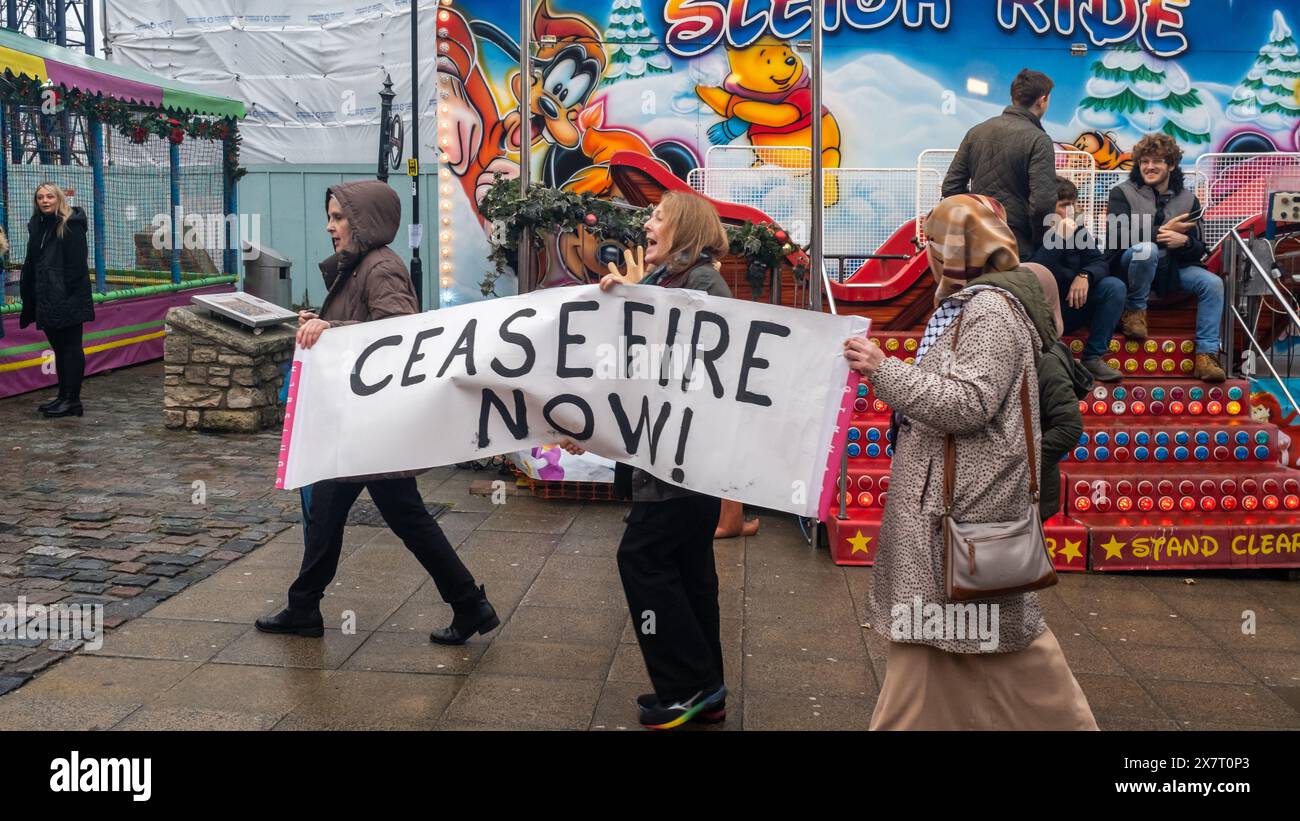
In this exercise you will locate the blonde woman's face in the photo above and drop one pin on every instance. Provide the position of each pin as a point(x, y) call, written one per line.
point(46, 201)
point(658, 237)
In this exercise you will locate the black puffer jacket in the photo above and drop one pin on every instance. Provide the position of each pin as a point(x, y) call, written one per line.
point(55, 284)
point(1011, 159)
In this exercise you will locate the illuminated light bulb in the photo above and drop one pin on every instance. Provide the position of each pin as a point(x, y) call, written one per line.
point(445, 205)
point(1291, 502)
point(444, 157)
point(911, 360)
point(1082, 503)
point(1187, 503)
point(910, 345)
point(1228, 502)
point(445, 282)
point(445, 173)
point(1151, 346)
point(1195, 408)
point(1208, 503)
point(1138, 408)
point(1249, 502)
point(1166, 503)
point(1130, 365)
point(1149, 366)
point(880, 406)
point(1113, 362)
point(1083, 406)
point(443, 16)
point(1124, 504)
point(1113, 347)
point(446, 252)
point(1131, 346)
point(444, 141)
point(865, 499)
point(1271, 502)
point(1234, 408)
point(1176, 408)
point(1099, 408)
point(891, 344)
point(445, 190)
point(1214, 408)
point(1167, 366)
point(446, 220)
point(446, 267)
point(445, 236)
point(1146, 503)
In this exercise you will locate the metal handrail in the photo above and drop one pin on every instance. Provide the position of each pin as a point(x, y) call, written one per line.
point(1267, 277)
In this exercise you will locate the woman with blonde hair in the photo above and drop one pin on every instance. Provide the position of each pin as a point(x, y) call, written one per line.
point(55, 290)
point(980, 346)
point(665, 559)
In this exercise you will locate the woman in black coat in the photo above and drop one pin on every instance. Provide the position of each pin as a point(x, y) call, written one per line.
point(55, 290)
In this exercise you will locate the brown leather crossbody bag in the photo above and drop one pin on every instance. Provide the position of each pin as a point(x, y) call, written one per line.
point(984, 560)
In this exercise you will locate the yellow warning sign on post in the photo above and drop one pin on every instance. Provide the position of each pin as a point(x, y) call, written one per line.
point(412, 167)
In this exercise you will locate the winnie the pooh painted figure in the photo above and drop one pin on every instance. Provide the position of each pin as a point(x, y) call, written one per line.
point(768, 96)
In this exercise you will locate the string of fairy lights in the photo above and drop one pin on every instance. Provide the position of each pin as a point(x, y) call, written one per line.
point(446, 230)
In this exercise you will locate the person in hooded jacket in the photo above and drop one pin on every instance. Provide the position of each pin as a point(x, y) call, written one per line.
point(367, 281)
point(55, 290)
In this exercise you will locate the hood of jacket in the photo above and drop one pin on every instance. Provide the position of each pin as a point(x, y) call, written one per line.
point(75, 219)
point(373, 212)
point(1024, 286)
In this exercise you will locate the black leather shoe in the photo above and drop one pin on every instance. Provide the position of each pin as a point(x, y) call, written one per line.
point(44, 406)
point(473, 615)
point(63, 407)
point(287, 621)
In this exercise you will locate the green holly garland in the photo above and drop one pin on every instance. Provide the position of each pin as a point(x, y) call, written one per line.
point(132, 120)
point(548, 210)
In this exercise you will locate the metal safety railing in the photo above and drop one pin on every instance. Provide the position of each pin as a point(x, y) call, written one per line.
point(1249, 285)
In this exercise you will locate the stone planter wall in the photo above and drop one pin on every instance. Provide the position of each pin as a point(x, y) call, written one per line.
point(220, 376)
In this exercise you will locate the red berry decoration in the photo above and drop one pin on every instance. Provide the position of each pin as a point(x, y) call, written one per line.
point(138, 134)
point(176, 137)
point(781, 236)
point(590, 219)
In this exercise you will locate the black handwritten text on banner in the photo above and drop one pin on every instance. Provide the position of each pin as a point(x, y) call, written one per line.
point(731, 398)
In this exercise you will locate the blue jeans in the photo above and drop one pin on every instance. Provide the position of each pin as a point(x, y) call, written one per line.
point(1140, 262)
point(1101, 312)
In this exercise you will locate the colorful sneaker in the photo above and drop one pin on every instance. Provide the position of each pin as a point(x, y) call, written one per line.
point(659, 716)
point(716, 714)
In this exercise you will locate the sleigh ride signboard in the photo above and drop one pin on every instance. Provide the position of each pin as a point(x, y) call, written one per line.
point(736, 399)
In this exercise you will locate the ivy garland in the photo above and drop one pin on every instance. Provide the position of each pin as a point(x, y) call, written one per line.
point(131, 120)
point(547, 211)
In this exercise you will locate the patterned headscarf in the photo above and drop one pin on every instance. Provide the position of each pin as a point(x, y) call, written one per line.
point(969, 237)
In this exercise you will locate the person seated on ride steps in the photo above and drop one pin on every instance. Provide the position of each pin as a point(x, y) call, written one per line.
point(1153, 240)
point(1088, 295)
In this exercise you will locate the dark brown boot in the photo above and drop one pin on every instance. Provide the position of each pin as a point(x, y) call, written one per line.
point(1207, 368)
point(1133, 324)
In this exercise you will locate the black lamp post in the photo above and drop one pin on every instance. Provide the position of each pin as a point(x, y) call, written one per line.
point(385, 127)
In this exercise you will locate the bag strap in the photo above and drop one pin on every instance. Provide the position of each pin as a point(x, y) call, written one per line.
point(950, 441)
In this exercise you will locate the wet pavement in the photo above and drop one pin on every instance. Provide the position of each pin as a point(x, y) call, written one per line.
point(184, 541)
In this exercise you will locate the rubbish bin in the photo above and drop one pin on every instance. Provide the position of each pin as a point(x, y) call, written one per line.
point(266, 274)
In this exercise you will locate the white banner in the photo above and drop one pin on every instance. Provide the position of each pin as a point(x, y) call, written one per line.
point(736, 399)
point(309, 71)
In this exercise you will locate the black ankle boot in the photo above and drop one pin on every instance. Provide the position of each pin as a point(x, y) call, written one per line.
point(44, 406)
point(474, 614)
point(64, 407)
point(289, 621)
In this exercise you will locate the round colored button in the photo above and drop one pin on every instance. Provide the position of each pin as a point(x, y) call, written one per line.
point(1083, 438)
point(1213, 407)
point(1261, 453)
point(1221, 437)
point(873, 434)
point(1176, 408)
point(1261, 437)
point(1122, 437)
point(1234, 408)
point(1220, 454)
point(865, 483)
point(1102, 438)
point(1081, 454)
point(1240, 454)
point(1131, 365)
point(1116, 407)
point(1201, 453)
point(1157, 408)
point(1149, 366)
point(1121, 454)
point(1102, 454)
point(1216, 393)
point(873, 451)
point(1142, 437)
point(1234, 393)
point(1202, 437)
point(1242, 437)
point(860, 405)
point(1157, 393)
point(1138, 408)
point(1141, 454)
point(863, 390)
point(854, 450)
point(1182, 437)
point(1139, 392)
point(1180, 453)
point(1162, 437)
point(1119, 393)
point(1162, 454)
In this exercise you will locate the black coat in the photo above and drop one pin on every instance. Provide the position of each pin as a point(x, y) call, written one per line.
point(1011, 159)
point(55, 284)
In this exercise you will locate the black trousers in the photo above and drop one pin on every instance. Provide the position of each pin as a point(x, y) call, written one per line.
point(400, 504)
point(69, 359)
point(671, 583)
